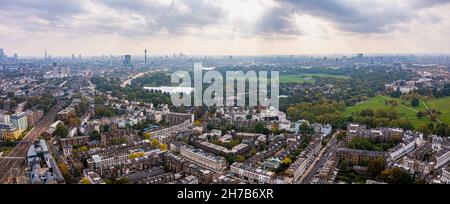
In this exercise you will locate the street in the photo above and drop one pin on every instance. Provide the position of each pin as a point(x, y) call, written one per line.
point(312, 171)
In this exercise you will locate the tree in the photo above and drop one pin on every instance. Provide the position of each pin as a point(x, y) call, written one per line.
point(66, 173)
point(61, 130)
point(376, 166)
point(198, 123)
point(230, 159)
point(94, 135)
point(74, 122)
point(163, 147)
point(240, 158)
point(442, 130)
point(147, 135)
point(259, 127)
point(286, 161)
point(275, 128)
point(253, 151)
point(85, 181)
point(424, 129)
point(396, 175)
point(415, 102)
point(155, 143)
point(84, 149)
point(420, 114)
point(304, 128)
point(123, 180)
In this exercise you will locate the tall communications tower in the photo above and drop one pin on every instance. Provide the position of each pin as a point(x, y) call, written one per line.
point(145, 56)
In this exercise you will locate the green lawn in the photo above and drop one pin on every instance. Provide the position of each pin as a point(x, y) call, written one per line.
point(308, 78)
point(406, 111)
point(442, 105)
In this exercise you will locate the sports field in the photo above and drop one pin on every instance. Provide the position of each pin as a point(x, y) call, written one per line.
point(308, 78)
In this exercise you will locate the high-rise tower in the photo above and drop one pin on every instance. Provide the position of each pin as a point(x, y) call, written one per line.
point(45, 53)
point(145, 56)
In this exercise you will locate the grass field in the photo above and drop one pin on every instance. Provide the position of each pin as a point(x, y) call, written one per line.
point(406, 111)
point(442, 105)
point(308, 78)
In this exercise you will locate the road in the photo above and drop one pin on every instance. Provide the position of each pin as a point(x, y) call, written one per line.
point(312, 171)
point(12, 168)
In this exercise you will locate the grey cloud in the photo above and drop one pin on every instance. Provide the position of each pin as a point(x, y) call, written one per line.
point(158, 19)
point(166, 18)
point(348, 16)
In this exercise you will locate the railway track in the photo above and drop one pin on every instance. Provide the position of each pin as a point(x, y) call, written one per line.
point(12, 168)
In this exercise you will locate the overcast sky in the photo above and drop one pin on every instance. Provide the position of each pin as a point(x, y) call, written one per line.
point(216, 27)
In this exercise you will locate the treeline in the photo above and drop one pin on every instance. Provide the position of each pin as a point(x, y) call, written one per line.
point(44, 102)
point(154, 79)
point(380, 118)
point(391, 118)
point(435, 92)
point(324, 111)
point(134, 92)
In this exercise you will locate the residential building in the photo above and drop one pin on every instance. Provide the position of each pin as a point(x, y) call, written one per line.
point(20, 121)
point(417, 166)
point(9, 132)
point(74, 141)
point(445, 177)
point(204, 159)
point(409, 142)
point(301, 164)
point(219, 150)
point(33, 116)
point(4, 117)
point(252, 174)
point(93, 177)
point(442, 157)
point(356, 156)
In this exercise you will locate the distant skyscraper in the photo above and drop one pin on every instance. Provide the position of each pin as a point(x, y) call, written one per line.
point(45, 54)
point(145, 56)
point(2, 55)
point(127, 61)
point(15, 56)
point(73, 56)
point(79, 57)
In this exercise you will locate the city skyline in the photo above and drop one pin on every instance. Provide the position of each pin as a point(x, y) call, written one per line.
point(201, 27)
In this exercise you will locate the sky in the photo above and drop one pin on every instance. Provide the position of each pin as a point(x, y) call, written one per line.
point(223, 27)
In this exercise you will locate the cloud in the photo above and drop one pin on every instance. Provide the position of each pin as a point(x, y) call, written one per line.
point(144, 18)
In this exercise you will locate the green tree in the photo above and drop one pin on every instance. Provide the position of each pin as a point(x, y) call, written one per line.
point(61, 130)
point(94, 135)
point(415, 102)
point(376, 166)
point(259, 127)
point(420, 114)
point(147, 135)
point(85, 181)
point(240, 158)
point(396, 175)
point(155, 142)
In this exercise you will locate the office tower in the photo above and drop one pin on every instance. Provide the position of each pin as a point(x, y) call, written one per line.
point(73, 56)
point(2, 55)
point(79, 57)
point(145, 56)
point(127, 61)
point(45, 54)
point(15, 56)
